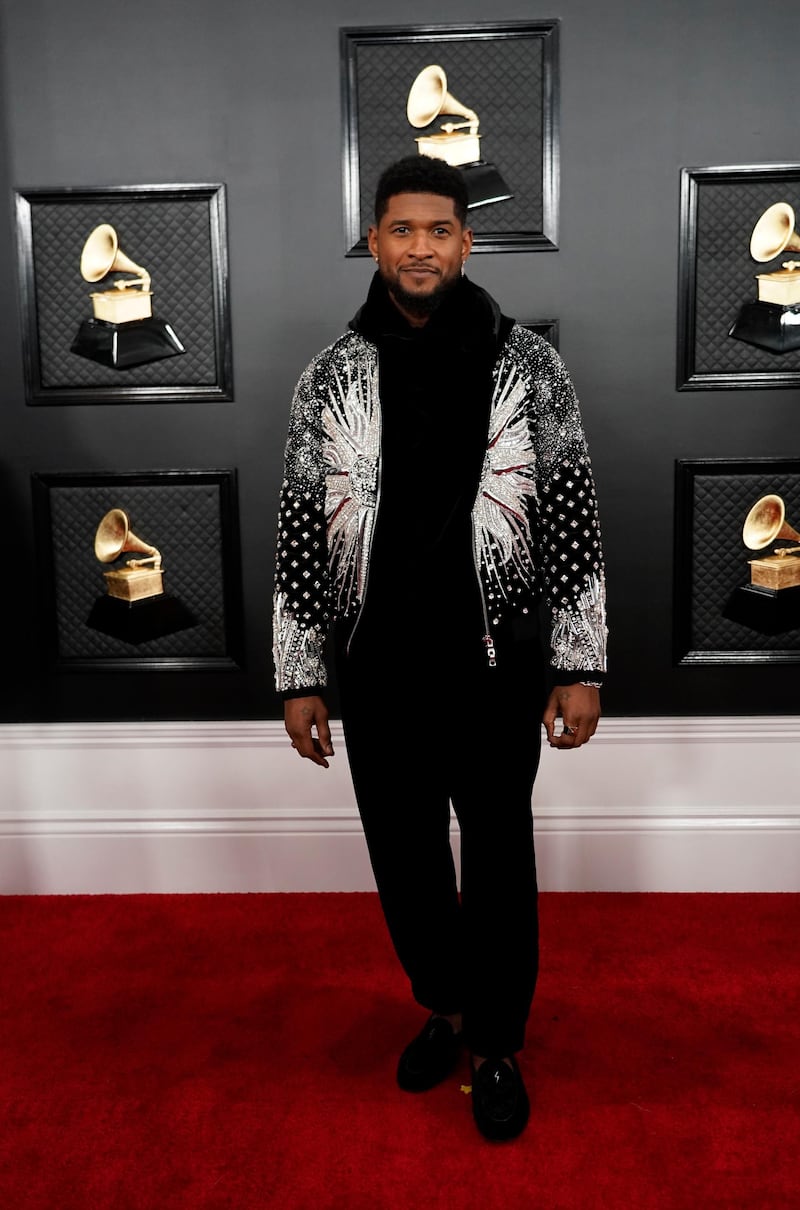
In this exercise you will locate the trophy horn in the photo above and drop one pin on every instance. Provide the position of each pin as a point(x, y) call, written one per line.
point(428, 97)
point(114, 536)
point(102, 254)
point(766, 522)
point(774, 233)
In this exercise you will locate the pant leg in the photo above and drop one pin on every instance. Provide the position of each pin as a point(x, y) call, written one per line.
point(499, 903)
point(491, 796)
point(405, 812)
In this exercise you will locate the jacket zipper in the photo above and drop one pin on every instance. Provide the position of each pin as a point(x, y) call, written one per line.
point(487, 640)
point(374, 522)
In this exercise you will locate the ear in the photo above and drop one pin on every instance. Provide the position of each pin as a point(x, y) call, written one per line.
point(372, 241)
point(466, 243)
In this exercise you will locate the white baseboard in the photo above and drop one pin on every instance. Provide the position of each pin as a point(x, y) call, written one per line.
point(665, 804)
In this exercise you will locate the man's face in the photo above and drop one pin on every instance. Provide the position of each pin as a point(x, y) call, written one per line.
point(420, 247)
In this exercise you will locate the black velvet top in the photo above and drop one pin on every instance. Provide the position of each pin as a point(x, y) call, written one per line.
point(435, 390)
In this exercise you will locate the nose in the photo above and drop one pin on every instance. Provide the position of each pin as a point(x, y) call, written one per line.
point(420, 247)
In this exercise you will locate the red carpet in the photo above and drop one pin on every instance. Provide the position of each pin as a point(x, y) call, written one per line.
point(201, 1052)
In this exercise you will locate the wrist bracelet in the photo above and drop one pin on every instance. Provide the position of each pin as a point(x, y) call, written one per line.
point(592, 684)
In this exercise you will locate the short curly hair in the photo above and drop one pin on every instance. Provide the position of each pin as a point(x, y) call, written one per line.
point(421, 174)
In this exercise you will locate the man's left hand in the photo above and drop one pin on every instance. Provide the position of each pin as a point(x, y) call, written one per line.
point(579, 708)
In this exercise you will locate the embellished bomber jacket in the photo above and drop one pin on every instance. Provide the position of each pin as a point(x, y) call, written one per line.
point(534, 520)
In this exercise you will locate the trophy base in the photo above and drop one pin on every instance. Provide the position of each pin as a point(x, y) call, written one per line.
point(121, 346)
point(134, 583)
point(767, 610)
point(140, 621)
point(769, 325)
point(484, 184)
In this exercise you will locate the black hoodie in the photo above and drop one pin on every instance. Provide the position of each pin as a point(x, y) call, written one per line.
point(435, 390)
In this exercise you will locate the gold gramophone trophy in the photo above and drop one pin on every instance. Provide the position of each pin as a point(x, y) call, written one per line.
point(457, 143)
point(766, 523)
point(123, 331)
point(139, 578)
point(772, 321)
point(134, 607)
point(770, 603)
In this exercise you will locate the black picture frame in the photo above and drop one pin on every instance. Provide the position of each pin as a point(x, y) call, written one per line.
point(191, 517)
point(547, 328)
point(506, 72)
point(178, 233)
point(719, 617)
point(719, 207)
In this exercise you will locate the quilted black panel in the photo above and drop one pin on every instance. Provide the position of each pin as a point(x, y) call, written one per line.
point(184, 521)
point(171, 241)
point(725, 274)
point(482, 75)
point(719, 557)
point(178, 235)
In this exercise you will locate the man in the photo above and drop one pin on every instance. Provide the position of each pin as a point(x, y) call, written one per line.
point(437, 493)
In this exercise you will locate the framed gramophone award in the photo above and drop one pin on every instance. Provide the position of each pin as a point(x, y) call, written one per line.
point(138, 570)
point(483, 97)
point(739, 278)
point(737, 561)
point(124, 294)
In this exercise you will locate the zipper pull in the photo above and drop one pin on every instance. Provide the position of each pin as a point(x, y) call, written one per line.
point(488, 643)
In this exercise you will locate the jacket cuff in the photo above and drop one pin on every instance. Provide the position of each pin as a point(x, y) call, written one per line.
point(286, 695)
point(573, 676)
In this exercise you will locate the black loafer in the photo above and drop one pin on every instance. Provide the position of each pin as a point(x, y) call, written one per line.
point(430, 1057)
point(499, 1101)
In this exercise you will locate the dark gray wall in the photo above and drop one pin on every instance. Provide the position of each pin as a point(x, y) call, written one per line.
point(249, 94)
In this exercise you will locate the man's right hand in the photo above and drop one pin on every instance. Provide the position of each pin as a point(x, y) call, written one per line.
point(302, 717)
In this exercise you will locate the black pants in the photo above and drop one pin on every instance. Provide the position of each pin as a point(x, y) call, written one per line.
point(470, 738)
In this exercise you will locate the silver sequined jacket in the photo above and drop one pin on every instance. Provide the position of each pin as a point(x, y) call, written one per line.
point(534, 520)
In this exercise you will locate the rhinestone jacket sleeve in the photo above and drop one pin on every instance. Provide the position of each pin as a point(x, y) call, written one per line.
point(300, 610)
point(570, 545)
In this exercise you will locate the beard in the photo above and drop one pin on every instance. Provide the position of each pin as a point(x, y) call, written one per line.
point(421, 306)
